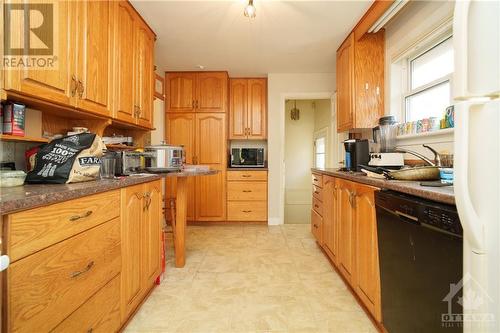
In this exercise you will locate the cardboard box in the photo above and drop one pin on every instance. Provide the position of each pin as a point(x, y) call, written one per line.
point(13, 118)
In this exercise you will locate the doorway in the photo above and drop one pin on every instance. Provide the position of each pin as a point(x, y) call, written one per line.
point(307, 144)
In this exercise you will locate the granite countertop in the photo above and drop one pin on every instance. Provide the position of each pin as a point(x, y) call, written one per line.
point(14, 199)
point(439, 194)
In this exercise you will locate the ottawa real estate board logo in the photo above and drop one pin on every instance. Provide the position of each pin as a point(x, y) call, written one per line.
point(30, 35)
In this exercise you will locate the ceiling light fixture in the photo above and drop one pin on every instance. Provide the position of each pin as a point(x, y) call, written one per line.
point(250, 10)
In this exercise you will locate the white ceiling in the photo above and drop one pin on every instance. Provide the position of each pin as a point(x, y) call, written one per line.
point(285, 37)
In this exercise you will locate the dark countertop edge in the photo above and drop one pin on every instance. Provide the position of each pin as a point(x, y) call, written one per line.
point(49, 198)
point(407, 187)
point(247, 169)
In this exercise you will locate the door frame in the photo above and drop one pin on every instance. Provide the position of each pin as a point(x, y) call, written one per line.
point(332, 160)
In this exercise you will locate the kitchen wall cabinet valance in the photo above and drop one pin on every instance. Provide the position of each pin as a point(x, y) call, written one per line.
point(360, 79)
point(248, 108)
point(196, 91)
point(93, 41)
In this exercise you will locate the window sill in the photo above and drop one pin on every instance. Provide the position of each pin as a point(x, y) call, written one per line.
point(433, 134)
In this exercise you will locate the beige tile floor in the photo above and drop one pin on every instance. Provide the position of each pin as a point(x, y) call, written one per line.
point(251, 278)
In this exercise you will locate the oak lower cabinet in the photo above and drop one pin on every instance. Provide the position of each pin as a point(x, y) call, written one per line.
point(247, 196)
point(204, 138)
point(330, 222)
point(196, 91)
point(367, 283)
point(141, 245)
point(317, 208)
point(81, 265)
point(348, 232)
point(248, 108)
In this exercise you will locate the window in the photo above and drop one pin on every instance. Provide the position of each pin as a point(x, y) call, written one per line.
point(320, 152)
point(428, 82)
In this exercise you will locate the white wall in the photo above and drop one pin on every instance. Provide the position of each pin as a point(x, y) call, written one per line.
point(158, 135)
point(283, 86)
point(416, 21)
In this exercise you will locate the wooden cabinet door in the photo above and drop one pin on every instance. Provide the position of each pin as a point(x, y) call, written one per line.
point(345, 85)
point(346, 230)
point(151, 234)
point(238, 90)
point(52, 85)
point(180, 92)
point(145, 75)
point(131, 275)
point(211, 92)
point(180, 130)
point(210, 147)
point(257, 109)
point(367, 268)
point(124, 61)
point(329, 221)
point(368, 79)
point(94, 56)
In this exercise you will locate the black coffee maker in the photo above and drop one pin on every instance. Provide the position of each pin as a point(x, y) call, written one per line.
point(356, 153)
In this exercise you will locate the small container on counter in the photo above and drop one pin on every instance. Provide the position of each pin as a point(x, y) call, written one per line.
point(11, 178)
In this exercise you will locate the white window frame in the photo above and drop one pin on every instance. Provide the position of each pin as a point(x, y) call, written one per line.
point(406, 73)
point(322, 133)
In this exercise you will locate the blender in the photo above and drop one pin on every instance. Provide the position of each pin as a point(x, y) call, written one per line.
point(383, 151)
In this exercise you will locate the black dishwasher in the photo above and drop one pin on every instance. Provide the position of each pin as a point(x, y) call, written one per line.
point(420, 255)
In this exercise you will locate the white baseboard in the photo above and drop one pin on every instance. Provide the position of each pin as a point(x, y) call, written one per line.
point(274, 221)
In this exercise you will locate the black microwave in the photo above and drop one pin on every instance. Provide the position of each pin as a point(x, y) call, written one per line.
point(247, 157)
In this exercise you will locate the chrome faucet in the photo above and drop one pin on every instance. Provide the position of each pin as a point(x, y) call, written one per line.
point(437, 158)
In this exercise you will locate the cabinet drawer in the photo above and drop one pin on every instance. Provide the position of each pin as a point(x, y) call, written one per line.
point(244, 191)
point(318, 206)
point(36, 229)
point(317, 179)
point(101, 313)
point(318, 193)
point(247, 175)
point(247, 210)
point(45, 287)
point(317, 226)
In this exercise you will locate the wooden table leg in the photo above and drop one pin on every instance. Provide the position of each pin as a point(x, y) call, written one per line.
point(180, 222)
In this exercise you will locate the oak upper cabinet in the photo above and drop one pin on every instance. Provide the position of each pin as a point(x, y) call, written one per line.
point(360, 74)
point(210, 149)
point(346, 229)
point(94, 57)
point(180, 92)
point(52, 85)
point(367, 283)
point(180, 130)
point(248, 108)
point(211, 92)
point(131, 248)
point(345, 81)
point(196, 91)
point(125, 19)
point(330, 229)
point(144, 74)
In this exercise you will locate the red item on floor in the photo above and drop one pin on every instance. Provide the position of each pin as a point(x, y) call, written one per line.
point(160, 277)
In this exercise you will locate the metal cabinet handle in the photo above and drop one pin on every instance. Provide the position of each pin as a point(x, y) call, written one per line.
point(81, 88)
point(85, 270)
point(316, 192)
point(316, 206)
point(247, 191)
point(147, 196)
point(352, 199)
point(90, 330)
point(247, 211)
point(196, 103)
point(192, 104)
point(73, 85)
point(246, 176)
point(77, 217)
